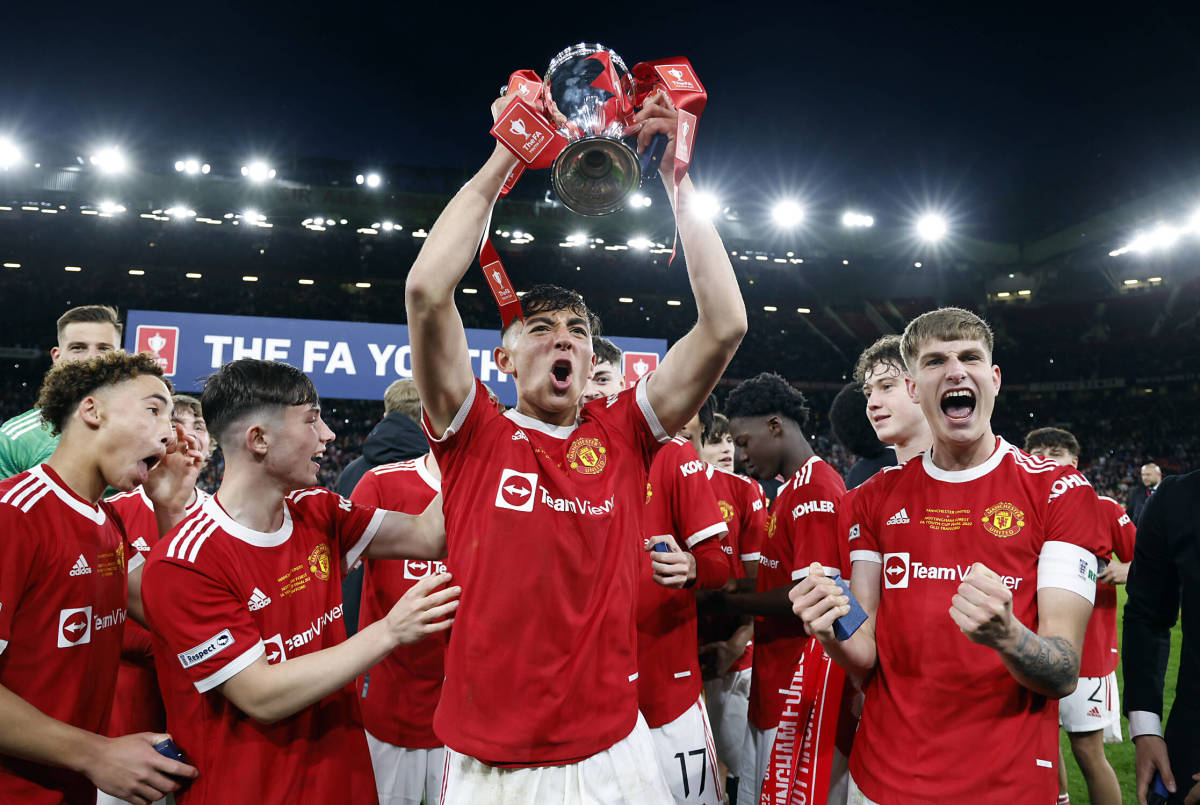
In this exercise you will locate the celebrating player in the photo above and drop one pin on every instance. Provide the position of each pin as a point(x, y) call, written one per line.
point(766, 419)
point(244, 602)
point(1091, 715)
point(541, 672)
point(64, 559)
point(958, 557)
point(83, 332)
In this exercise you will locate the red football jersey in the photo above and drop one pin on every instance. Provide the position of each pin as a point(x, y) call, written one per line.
point(218, 596)
point(398, 696)
point(744, 509)
point(542, 663)
point(1100, 649)
point(801, 529)
point(935, 693)
point(679, 502)
point(137, 702)
point(63, 567)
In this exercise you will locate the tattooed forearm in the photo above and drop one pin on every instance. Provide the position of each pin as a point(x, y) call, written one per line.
point(1047, 664)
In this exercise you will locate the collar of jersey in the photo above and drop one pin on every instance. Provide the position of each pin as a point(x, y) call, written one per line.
point(426, 476)
point(557, 431)
point(51, 479)
point(969, 474)
point(257, 538)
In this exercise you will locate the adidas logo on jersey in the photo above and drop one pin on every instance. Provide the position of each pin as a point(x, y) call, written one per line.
point(1094, 712)
point(81, 567)
point(899, 518)
point(258, 600)
point(141, 545)
point(519, 435)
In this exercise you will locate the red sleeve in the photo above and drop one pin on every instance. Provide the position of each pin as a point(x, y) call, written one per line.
point(683, 505)
point(811, 525)
point(856, 532)
point(753, 523)
point(473, 411)
point(1073, 514)
point(354, 526)
point(366, 491)
point(17, 555)
point(1124, 532)
point(712, 565)
point(205, 625)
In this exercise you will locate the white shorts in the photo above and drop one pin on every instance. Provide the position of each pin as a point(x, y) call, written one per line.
point(108, 799)
point(756, 756)
point(1095, 705)
point(688, 757)
point(856, 797)
point(728, 699)
point(622, 774)
point(406, 776)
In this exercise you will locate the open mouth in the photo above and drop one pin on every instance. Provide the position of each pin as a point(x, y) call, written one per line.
point(560, 374)
point(958, 403)
point(144, 466)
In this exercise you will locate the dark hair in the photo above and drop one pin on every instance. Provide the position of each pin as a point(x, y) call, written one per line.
point(1052, 437)
point(707, 410)
point(767, 394)
point(606, 351)
point(100, 314)
point(243, 386)
point(849, 422)
point(549, 298)
point(718, 430)
point(886, 351)
point(67, 383)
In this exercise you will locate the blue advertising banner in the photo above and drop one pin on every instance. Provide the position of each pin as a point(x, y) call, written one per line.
point(345, 359)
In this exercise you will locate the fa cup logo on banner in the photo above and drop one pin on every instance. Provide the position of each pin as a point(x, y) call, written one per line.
point(499, 281)
point(517, 126)
point(640, 367)
point(523, 90)
point(675, 73)
point(156, 342)
point(686, 128)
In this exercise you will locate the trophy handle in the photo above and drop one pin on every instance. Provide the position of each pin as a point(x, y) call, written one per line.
point(653, 155)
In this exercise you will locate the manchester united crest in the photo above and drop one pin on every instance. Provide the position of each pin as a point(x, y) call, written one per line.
point(318, 562)
point(727, 510)
point(771, 527)
point(586, 455)
point(1003, 520)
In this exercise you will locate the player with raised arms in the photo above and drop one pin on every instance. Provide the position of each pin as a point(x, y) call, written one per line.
point(244, 603)
point(959, 556)
point(540, 700)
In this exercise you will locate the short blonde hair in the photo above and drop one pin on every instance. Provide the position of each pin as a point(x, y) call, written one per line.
point(943, 324)
point(402, 398)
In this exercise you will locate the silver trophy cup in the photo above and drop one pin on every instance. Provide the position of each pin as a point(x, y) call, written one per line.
point(589, 94)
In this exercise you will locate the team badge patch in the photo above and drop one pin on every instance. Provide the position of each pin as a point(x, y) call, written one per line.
point(318, 562)
point(649, 492)
point(587, 456)
point(1003, 520)
point(771, 527)
point(727, 511)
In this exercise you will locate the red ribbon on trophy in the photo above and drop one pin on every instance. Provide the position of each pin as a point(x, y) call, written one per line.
point(531, 127)
point(802, 755)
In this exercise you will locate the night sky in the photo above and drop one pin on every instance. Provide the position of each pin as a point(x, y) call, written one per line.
point(1020, 119)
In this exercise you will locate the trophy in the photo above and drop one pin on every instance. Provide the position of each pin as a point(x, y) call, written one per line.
point(589, 96)
point(581, 116)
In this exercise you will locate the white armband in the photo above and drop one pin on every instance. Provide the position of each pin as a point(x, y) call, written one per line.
point(1067, 566)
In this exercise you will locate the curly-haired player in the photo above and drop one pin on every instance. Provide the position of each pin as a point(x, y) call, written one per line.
point(64, 560)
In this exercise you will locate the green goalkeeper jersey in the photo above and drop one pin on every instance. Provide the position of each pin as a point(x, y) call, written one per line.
point(25, 441)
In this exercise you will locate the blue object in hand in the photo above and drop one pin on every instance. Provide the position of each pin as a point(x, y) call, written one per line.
point(849, 623)
point(167, 748)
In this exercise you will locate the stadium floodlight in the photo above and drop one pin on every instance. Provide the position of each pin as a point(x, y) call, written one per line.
point(388, 226)
point(10, 155)
point(371, 180)
point(109, 160)
point(787, 213)
point(180, 212)
point(111, 207)
point(639, 200)
point(258, 171)
point(857, 220)
point(932, 227)
point(706, 206)
point(640, 243)
point(192, 166)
